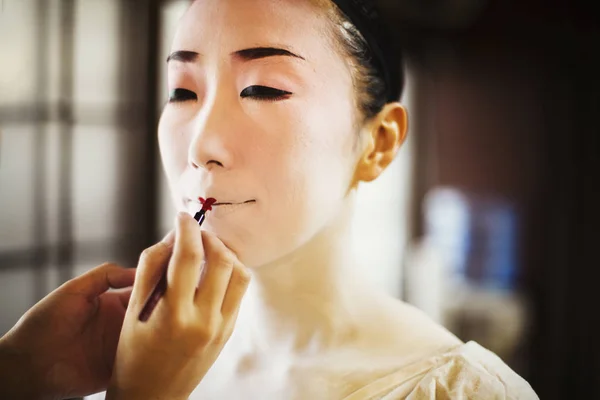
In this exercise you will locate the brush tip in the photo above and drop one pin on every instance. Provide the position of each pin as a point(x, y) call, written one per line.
point(207, 203)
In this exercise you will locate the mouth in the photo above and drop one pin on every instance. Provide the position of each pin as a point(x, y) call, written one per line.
point(233, 204)
point(219, 208)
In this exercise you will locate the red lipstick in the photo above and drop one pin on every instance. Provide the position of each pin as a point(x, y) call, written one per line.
point(161, 286)
point(206, 206)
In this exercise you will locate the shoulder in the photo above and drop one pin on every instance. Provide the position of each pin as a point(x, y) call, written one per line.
point(468, 371)
point(407, 331)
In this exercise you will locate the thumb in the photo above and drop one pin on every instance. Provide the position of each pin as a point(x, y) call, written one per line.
point(98, 280)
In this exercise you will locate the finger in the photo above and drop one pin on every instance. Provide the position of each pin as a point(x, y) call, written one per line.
point(230, 321)
point(152, 264)
point(98, 280)
point(238, 285)
point(121, 295)
point(185, 265)
point(218, 269)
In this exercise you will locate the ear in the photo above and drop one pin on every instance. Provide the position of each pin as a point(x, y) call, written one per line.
point(382, 138)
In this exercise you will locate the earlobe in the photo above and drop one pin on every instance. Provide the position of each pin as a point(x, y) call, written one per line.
point(385, 135)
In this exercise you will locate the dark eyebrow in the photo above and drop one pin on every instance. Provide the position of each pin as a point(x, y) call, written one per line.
point(256, 53)
point(183, 56)
point(253, 53)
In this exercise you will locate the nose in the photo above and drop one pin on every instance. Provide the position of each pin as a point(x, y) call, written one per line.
point(210, 147)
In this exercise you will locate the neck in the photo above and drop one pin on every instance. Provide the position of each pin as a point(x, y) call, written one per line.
point(308, 301)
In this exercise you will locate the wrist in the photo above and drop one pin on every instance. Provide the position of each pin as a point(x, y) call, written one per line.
point(18, 378)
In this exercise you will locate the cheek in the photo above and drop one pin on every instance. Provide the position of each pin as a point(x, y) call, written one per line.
point(173, 145)
point(307, 162)
point(322, 148)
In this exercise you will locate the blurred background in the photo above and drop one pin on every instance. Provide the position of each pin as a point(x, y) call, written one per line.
point(487, 220)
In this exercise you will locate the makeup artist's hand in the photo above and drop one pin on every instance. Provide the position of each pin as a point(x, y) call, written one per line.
point(64, 346)
point(168, 355)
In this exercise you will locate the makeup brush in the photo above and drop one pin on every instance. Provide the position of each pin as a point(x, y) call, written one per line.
point(206, 206)
point(161, 286)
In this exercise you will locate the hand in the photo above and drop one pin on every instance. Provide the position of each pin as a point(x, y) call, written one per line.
point(168, 355)
point(64, 346)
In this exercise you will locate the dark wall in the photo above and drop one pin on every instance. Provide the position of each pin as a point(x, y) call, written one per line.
point(509, 106)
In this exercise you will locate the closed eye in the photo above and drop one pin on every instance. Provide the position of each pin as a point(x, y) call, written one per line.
point(264, 93)
point(181, 95)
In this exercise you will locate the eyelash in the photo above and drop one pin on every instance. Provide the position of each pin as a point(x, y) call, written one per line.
point(264, 93)
point(181, 95)
point(256, 92)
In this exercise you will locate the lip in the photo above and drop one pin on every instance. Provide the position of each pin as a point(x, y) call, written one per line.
point(226, 204)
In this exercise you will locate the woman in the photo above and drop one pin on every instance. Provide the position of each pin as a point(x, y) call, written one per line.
point(279, 109)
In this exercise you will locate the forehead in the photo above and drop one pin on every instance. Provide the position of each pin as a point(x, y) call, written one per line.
point(228, 25)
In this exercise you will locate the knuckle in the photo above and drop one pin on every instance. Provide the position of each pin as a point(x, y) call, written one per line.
point(209, 328)
point(191, 257)
point(202, 338)
point(205, 334)
point(201, 332)
point(224, 258)
point(242, 276)
point(108, 265)
point(146, 255)
point(179, 322)
point(105, 268)
point(213, 324)
point(222, 337)
point(153, 252)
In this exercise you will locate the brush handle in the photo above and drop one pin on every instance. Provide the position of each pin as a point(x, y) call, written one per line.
point(152, 301)
point(200, 217)
point(161, 287)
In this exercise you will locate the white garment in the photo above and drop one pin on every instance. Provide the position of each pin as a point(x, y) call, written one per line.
point(468, 371)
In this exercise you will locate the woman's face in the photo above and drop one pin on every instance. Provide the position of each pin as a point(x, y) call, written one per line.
point(261, 115)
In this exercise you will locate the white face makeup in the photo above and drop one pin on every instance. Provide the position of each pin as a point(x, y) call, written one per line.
point(261, 118)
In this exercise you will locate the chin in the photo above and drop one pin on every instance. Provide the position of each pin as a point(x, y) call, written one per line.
point(254, 254)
